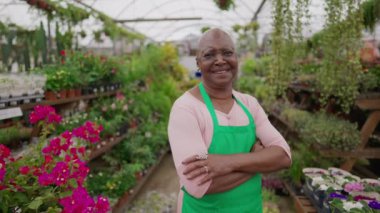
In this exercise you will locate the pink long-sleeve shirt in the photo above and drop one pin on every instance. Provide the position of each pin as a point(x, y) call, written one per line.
point(190, 132)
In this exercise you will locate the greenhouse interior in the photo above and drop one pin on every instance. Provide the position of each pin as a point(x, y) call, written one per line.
point(190, 106)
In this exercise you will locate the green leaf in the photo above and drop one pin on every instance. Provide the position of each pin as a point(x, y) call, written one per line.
point(21, 197)
point(36, 203)
point(73, 183)
point(65, 194)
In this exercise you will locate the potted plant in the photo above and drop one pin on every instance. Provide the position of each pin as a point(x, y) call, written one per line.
point(50, 176)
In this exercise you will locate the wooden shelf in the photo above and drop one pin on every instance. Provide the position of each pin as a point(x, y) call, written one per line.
point(302, 204)
point(368, 153)
point(298, 88)
point(125, 201)
point(287, 130)
point(66, 100)
point(368, 103)
point(98, 152)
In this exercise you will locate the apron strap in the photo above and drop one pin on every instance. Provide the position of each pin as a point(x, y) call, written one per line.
point(208, 103)
point(251, 121)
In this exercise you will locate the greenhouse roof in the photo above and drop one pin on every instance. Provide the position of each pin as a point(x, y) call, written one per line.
point(159, 20)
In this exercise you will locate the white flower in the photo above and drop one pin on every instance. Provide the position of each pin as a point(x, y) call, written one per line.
point(317, 181)
point(148, 134)
point(113, 106)
point(340, 180)
point(323, 187)
point(351, 205)
point(125, 107)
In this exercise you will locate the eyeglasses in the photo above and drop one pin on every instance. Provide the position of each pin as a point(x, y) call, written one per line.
point(213, 55)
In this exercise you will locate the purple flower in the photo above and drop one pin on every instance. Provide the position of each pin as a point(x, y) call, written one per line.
point(337, 195)
point(374, 204)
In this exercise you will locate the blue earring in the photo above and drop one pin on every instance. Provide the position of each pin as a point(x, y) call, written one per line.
point(198, 74)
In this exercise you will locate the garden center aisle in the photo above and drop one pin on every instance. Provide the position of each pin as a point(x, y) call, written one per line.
point(159, 194)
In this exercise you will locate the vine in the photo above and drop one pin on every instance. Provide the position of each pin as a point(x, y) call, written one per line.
point(286, 38)
point(247, 36)
point(340, 70)
point(371, 13)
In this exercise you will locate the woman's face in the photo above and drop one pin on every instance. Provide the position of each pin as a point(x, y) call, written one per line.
point(217, 59)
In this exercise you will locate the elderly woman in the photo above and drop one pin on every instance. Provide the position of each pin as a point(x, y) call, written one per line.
point(213, 130)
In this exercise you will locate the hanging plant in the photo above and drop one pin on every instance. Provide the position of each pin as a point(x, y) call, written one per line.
point(225, 4)
point(286, 37)
point(247, 36)
point(112, 30)
point(54, 9)
point(341, 42)
point(371, 13)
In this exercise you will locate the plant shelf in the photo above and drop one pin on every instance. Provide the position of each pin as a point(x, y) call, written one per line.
point(98, 152)
point(67, 100)
point(125, 201)
point(302, 203)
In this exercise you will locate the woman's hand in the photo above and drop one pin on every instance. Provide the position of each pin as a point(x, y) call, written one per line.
point(212, 166)
point(258, 146)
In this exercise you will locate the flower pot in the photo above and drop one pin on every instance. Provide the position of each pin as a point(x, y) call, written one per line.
point(50, 96)
point(62, 94)
point(70, 93)
point(133, 124)
point(78, 92)
point(138, 175)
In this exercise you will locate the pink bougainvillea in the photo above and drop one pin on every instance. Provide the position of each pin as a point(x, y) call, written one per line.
point(44, 113)
point(59, 163)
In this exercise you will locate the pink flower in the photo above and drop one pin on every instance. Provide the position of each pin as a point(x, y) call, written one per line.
point(44, 113)
point(2, 170)
point(80, 132)
point(62, 53)
point(102, 205)
point(88, 131)
point(24, 170)
point(82, 150)
point(48, 159)
point(80, 171)
point(354, 186)
point(61, 173)
point(4, 151)
point(2, 164)
point(54, 147)
point(45, 179)
point(120, 96)
point(2, 187)
point(2, 174)
point(79, 201)
point(36, 171)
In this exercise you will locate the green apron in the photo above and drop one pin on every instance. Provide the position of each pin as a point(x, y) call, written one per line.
point(228, 140)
